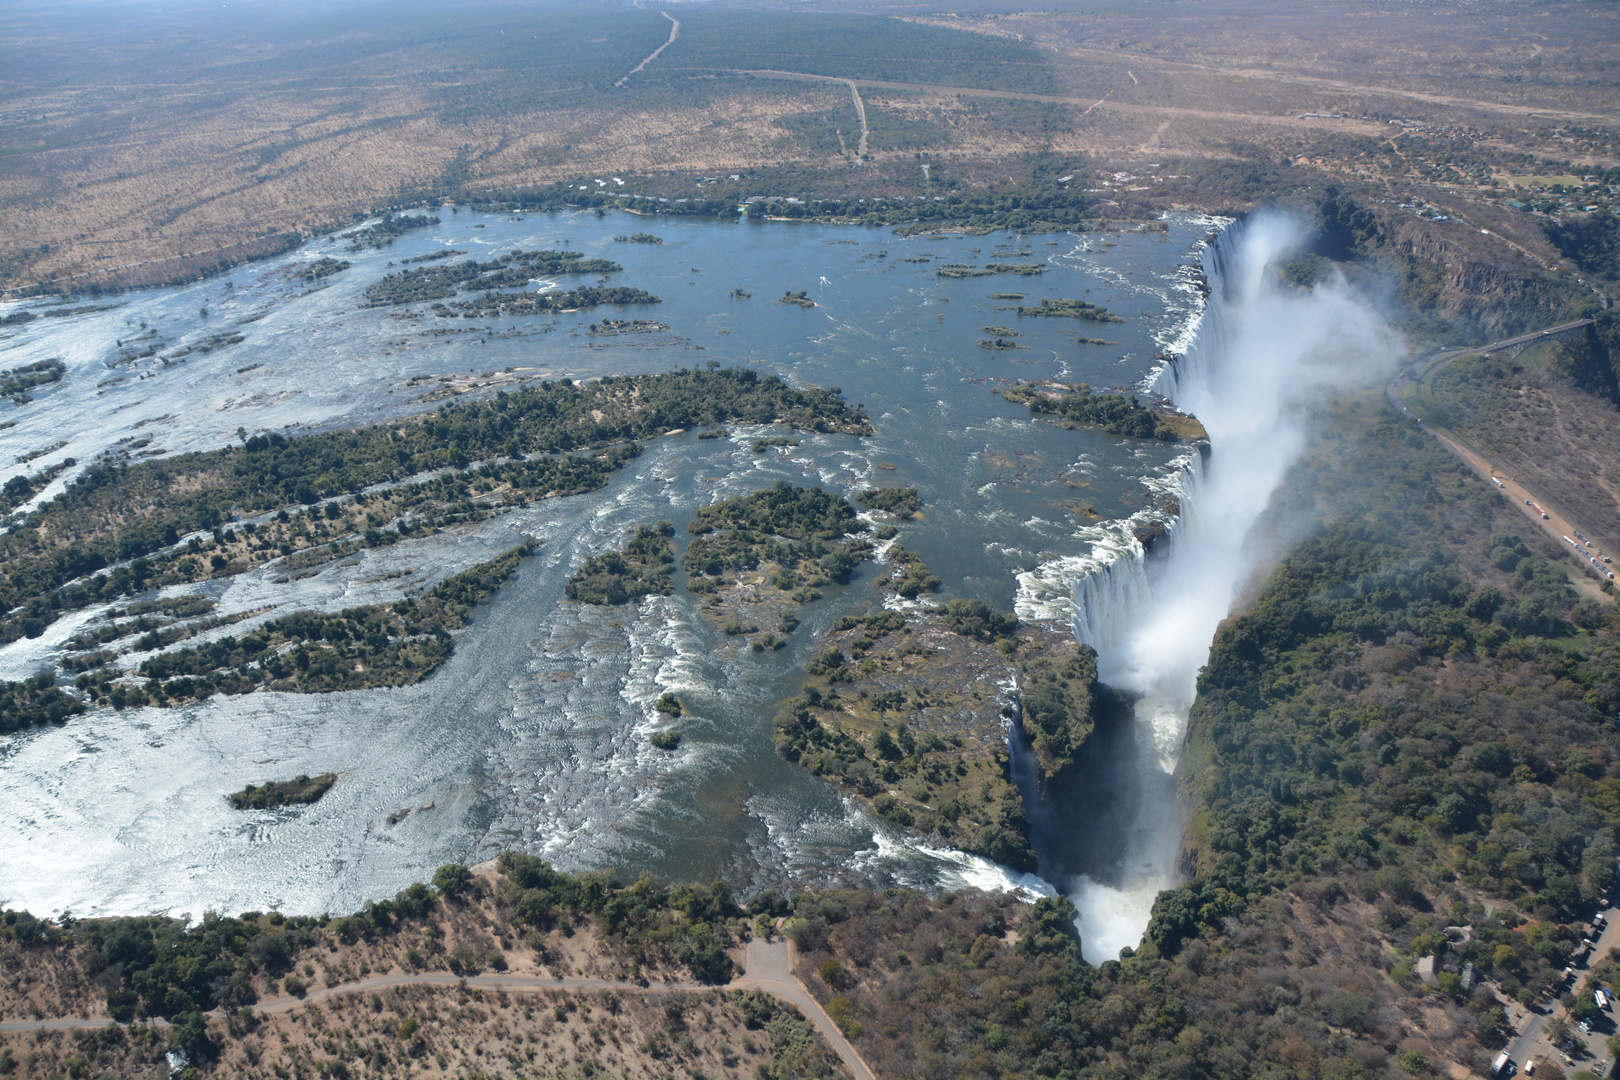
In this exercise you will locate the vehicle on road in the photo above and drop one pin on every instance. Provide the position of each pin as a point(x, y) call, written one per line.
point(1502, 1066)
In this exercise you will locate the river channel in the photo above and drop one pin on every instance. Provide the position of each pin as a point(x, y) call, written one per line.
point(533, 736)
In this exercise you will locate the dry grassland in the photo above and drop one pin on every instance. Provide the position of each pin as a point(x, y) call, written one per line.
point(406, 1029)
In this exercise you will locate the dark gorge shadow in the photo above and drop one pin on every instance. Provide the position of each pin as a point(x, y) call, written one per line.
point(1082, 818)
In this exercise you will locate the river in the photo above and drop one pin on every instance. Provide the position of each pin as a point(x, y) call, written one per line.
point(533, 736)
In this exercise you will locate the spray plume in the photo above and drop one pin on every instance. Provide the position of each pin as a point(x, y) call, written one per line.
point(1262, 360)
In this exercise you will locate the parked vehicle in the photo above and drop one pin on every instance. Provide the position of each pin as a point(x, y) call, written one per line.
point(1502, 1066)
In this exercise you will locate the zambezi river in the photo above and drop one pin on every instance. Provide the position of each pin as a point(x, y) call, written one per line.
point(533, 736)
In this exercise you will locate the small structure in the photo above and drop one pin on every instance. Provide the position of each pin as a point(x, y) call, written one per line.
point(1425, 969)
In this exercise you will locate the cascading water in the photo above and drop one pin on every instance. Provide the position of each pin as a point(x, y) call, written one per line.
point(1262, 358)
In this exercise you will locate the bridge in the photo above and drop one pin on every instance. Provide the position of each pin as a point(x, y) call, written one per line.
point(1515, 345)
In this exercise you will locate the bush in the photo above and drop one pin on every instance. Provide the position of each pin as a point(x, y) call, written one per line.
point(451, 880)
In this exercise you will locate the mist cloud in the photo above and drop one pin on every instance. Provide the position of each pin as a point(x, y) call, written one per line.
point(1256, 375)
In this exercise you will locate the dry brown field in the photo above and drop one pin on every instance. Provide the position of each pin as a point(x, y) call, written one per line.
point(125, 141)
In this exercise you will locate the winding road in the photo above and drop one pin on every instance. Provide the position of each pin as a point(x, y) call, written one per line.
point(768, 969)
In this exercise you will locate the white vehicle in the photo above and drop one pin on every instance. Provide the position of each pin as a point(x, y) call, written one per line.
point(1601, 998)
point(1503, 1065)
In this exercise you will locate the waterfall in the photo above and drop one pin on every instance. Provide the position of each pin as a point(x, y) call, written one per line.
point(1262, 358)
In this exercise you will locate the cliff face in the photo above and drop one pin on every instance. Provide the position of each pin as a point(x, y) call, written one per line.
point(1454, 282)
point(1484, 289)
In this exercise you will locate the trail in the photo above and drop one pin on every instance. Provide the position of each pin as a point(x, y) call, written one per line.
point(768, 968)
point(674, 35)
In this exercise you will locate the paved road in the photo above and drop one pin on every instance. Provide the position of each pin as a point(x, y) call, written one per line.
point(1530, 1043)
point(674, 36)
point(768, 968)
point(860, 110)
point(1555, 525)
point(1507, 343)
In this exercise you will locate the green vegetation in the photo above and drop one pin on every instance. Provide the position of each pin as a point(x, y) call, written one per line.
point(208, 345)
point(977, 619)
point(788, 527)
point(151, 966)
point(1069, 309)
point(1591, 241)
point(618, 577)
point(1059, 702)
point(377, 645)
point(909, 578)
point(639, 238)
point(323, 267)
point(20, 488)
point(301, 790)
point(761, 445)
point(856, 46)
point(960, 270)
point(1038, 204)
point(16, 382)
point(504, 271)
point(901, 502)
point(433, 256)
point(526, 303)
point(665, 740)
point(800, 299)
point(136, 514)
point(895, 710)
point(389, 229)
point(35, 701)
point(1117, 414)
point(1434, 787)
point(625, 326)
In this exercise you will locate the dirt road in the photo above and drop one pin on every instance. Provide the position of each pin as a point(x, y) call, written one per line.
point(768, 968)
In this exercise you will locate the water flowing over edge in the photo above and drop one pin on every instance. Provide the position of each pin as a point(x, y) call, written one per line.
point(1259, 357)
